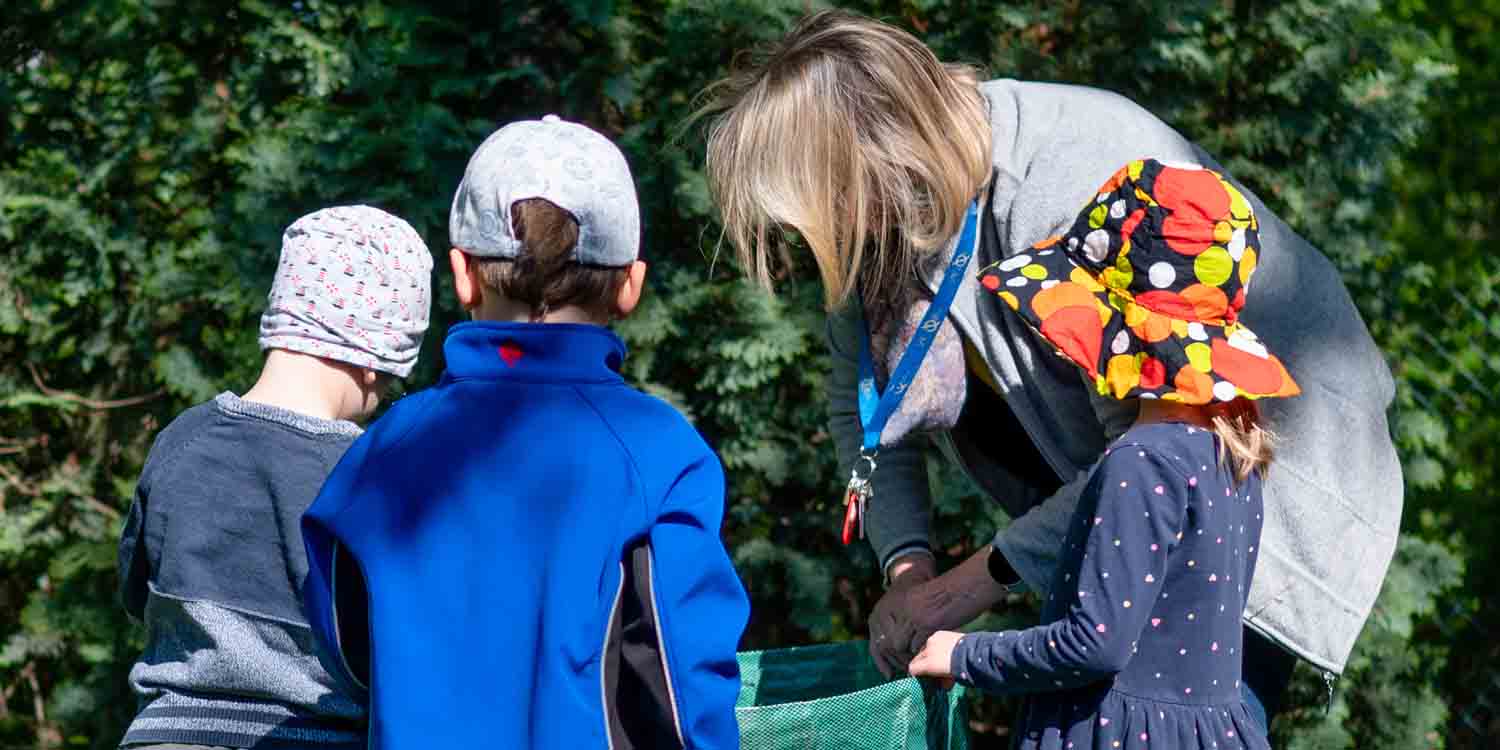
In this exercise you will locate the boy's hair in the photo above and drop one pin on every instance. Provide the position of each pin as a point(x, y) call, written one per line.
point(545, 276)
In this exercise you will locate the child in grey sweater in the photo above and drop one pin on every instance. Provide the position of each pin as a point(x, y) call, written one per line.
point(212, 557)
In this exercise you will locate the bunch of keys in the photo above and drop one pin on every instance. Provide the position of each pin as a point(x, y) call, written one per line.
point(857, 496)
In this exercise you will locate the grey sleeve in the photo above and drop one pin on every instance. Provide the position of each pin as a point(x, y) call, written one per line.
point(899, 514)
point(1032, 544)
point(133, 569)
point(133, 564)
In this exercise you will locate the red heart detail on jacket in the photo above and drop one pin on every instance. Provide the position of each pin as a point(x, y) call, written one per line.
point(510, 353)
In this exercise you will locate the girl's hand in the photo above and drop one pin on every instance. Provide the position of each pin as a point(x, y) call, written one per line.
point(936, 658)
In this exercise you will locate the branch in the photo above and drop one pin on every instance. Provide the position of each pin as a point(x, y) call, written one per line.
point(36, 377)
point(14, 480)
point(38, 706)
point(47, 734)
point(97, 504)
point(28, 676)
point(6, 693)
point(10, 447)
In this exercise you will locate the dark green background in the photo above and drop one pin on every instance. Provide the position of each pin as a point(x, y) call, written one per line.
point(151, 153)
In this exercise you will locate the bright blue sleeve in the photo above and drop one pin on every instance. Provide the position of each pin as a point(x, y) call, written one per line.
point(320, 592)
point(1134, 508)
point(703, 607)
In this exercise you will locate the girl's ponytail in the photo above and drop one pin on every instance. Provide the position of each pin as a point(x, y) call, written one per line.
point(1243, 440)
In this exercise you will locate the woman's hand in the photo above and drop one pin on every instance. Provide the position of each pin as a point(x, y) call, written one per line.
point(918, 605)
point(936, 657)
point(894, 634)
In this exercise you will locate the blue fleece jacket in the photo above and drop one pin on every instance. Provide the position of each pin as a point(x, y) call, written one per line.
point(527, 555)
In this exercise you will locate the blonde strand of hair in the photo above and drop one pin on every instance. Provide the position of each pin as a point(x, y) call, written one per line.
point(1245, 443)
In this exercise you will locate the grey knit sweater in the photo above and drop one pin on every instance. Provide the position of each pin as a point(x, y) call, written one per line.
point(212, 559)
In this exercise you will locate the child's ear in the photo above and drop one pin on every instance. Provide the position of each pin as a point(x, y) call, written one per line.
point(465, 279)
point(630, 289)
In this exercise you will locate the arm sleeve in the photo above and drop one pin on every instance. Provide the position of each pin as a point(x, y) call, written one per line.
point(1137, 505)
point(332, 612)
point(1031, 543)
point(899, 515)
point(140, 540)
point(133, 564)
point(702, 607)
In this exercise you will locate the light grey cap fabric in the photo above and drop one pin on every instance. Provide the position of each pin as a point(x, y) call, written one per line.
point(353, 285)
point(566, 163)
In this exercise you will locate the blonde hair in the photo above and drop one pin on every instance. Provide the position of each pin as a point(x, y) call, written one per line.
point(1244, 441)
point(851, 132)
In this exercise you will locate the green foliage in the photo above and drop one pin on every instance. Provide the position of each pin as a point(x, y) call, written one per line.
point(1443, 328)
point(151, 153)
point(1391, 699)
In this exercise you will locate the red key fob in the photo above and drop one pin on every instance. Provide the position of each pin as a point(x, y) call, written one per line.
point(851, 515)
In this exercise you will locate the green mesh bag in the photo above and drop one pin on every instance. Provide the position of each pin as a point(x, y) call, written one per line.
point(833, 698)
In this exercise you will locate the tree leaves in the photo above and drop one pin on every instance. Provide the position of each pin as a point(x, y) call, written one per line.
point(151, 154)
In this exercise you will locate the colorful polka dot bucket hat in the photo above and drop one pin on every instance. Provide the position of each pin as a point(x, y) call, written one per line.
point(1145, 290)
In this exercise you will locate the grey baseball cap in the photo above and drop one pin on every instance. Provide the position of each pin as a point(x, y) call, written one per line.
point(566, 163)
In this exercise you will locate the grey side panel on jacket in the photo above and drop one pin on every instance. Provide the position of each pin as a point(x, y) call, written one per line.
point(1334, 493)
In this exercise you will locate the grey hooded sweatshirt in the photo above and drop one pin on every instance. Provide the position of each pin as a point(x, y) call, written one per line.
point(1333, 494)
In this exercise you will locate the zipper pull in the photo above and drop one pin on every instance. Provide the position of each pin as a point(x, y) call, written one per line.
point(1328, 679)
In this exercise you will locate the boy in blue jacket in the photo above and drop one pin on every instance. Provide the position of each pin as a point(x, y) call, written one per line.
point(527, 555)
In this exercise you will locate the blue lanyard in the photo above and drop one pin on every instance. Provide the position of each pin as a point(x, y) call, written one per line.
point(875, 408)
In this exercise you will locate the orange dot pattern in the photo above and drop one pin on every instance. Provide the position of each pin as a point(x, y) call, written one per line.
point(1145, 290)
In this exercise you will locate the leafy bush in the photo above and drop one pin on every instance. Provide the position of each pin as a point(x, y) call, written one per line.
point(151, 153)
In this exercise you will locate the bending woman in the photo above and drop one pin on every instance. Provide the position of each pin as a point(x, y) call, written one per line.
point(853, 134)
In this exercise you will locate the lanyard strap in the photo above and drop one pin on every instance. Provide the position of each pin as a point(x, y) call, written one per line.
point(875, 408)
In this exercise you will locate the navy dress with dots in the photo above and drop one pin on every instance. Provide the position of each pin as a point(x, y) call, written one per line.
point(1141, 642)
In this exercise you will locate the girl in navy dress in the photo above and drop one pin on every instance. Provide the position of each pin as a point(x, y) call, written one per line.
point(1140, 646)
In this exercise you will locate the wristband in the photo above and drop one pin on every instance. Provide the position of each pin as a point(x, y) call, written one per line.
point(910, 549)
point(1001, 570)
